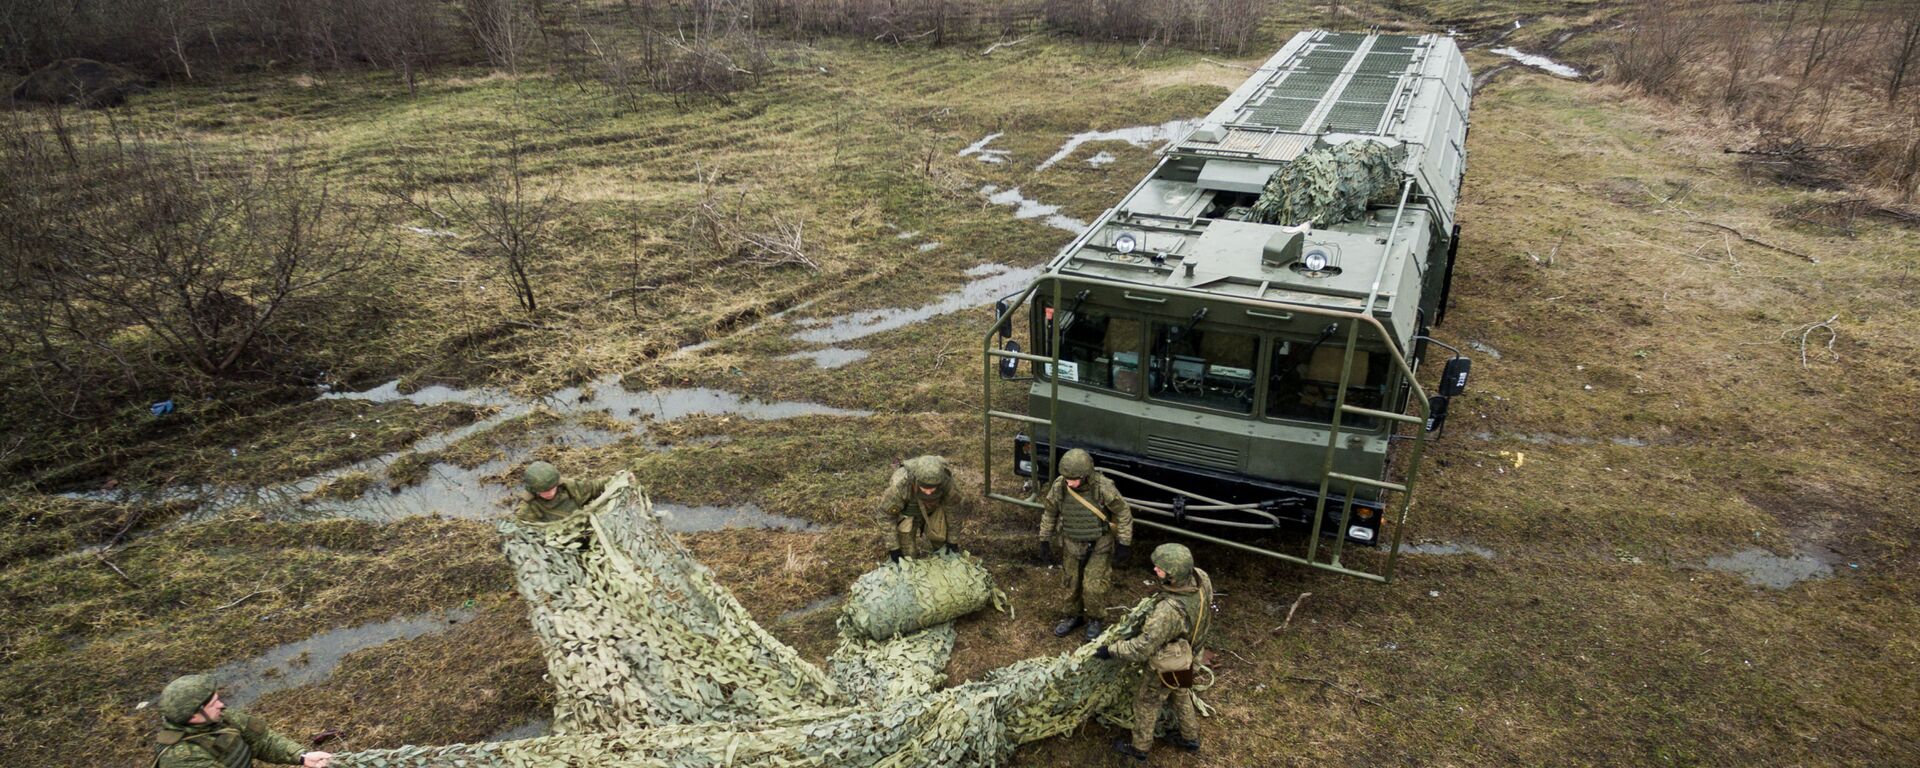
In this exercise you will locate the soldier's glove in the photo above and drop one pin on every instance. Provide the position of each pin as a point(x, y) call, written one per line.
point(1046, 551)
point(893, 555)
point(1102, 653)
point(1120, 552)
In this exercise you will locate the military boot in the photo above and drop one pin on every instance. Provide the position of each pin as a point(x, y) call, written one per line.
point(1067, 625)
point(1094, 628)
point(1190, 745)
point(1126, 750)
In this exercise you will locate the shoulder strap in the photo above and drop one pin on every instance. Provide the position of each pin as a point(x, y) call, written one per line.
point(1088, 504)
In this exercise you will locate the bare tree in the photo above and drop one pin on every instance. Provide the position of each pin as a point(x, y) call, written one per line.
point(1905, 50)
point(501, 219)
point(1659, 41)
point(503, 27)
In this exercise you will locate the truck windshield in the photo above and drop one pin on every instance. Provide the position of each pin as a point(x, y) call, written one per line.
point(1205, 367)
point(1306, 377)
point(1098, 349)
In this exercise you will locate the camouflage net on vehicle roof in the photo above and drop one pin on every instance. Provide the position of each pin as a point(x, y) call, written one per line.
point(1329, 185)
point(654, 664)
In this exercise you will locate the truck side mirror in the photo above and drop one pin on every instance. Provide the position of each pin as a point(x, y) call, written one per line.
point(1453, 380)
point(1010, 367)
point(1437, 412)
point(1000, 308)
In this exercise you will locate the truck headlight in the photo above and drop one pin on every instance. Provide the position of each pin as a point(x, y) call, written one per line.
point(1360, 533)
point(1125, 243)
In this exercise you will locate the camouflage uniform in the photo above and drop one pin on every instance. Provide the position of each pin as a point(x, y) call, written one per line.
point(574, 495)
point(1087, 543)
point(915, 515)
point(1170, 642)
point(235, 741)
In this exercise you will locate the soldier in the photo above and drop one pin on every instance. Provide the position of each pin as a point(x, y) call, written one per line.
point(920, 498)
point(1095, 527)
point(1170, 642)
point(197, 732)
point(549, 498)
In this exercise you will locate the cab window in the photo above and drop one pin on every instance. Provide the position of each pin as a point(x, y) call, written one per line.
point(1305, 377)
point(1200, 366)
point(1099, 349)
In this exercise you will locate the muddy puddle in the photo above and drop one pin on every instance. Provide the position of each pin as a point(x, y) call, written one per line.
point(1761, 568)
point(1539, 62)
point(314, 659)
point(831, 357)
point(1484, 348)
point(528, 730)
point(1139, 136)
point(1449, 548)
point(990, 281)
point(1028, 208)
point(453, 491)
point(682, 518)
point(979, 151)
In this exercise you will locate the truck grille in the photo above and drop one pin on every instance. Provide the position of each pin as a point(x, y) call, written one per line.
point(1192, 453)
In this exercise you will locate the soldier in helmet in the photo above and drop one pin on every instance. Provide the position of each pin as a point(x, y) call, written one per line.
point(197, 731)
point(921, 500)
point(1095, 527)
point(550, 498)
point(1170, 642)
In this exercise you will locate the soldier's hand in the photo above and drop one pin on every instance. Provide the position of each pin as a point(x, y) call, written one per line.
point(317, 759)
point(1120, 552)
point(1046, 551)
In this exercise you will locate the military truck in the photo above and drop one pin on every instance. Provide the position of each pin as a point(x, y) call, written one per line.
point(1244, 373)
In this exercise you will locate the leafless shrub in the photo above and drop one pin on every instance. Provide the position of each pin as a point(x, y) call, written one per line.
point(1208, 24)
point(501, 219)
point(726, 225)
point(1660, 39)
point(124, 258)
point(503, 28)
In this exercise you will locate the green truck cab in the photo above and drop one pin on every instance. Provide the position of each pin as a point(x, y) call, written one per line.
point(1238, 377)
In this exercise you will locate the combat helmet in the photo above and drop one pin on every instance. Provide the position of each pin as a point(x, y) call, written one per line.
point(184, 697)
point(927, 471)
point(1176, 560)
point(1076, 464)
point(542, 477)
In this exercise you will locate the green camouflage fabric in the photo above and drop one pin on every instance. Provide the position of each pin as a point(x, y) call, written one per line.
point(1329, 185)
point(917, 518)
point(911, 595)
point(654, 665)
point(1171, 638)
point(1060, 513)
point(574, 496)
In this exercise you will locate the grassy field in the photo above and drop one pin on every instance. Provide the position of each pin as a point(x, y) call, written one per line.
point(1652, 406)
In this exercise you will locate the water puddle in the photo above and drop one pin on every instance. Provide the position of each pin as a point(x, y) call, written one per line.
point(831, 357)
point(1539, 62)
point(314, 659)
point(1484, 348)
point(1449, 548)
point(1101, 160)
point(1028, 208)
point(1549, 438)
point(529, 730)
point(978, 150)
point(990, 281)
point(927, 246)
point(1139, 136)
point(698, 347)
point(681, 518)
point(812, 607)
point(1766, 569)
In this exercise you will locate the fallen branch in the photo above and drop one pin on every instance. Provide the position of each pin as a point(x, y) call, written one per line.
point(116, 569)
point(1808, 329)
point(1004, 44)
point(246, 597)
point(1343, 689)
point(1284, 623)
point(1756, 241)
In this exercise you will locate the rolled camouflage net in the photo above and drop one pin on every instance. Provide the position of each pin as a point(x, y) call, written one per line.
point(918, 592)
point(655, 666)
point(1329, 185)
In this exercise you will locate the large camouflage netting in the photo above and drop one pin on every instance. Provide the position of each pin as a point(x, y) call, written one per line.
point(654, 664)
point(1329, 185)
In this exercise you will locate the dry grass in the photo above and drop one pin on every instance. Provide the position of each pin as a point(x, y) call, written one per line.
point(1595, 637)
